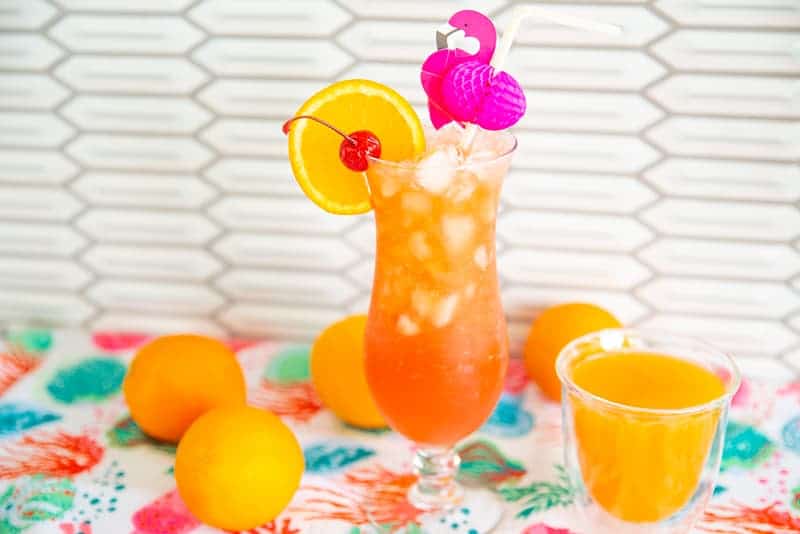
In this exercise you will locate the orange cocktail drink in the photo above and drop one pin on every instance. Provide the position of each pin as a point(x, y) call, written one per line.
point(436, 340)
point(644, 420)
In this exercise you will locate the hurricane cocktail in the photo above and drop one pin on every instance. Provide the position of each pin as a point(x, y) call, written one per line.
point(436, 341)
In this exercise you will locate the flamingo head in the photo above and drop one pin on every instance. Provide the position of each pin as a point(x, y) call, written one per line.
point(473, 23)
point(478, 26)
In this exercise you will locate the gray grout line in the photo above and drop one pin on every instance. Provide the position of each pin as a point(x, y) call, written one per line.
point(200, 173)
point(705, 276)
point(67, 185)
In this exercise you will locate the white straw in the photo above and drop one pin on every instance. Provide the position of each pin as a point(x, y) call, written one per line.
point(563, 19)
point(523, 12)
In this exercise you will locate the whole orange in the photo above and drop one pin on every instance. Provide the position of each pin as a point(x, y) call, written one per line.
point(551, 331)
point(237, 468)
point(174, 379)
point(338, 374)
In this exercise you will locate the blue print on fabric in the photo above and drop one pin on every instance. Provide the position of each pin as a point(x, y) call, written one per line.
point(509, 419)
point(93, 379)
point(791, 435)
point(330, 457)
point(16, 418)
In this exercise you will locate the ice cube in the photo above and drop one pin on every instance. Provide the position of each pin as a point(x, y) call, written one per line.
point(484, 162)
point(481, 156)
point(448, 135)
point(422, 302)
point(418, 245)
point(469, 292)
point(457, 231)
point(462, 187)
point(444, 311)
point(481, 257)
point(389, 186)
point(407, 326)
point(436, 170)
point(416, 202)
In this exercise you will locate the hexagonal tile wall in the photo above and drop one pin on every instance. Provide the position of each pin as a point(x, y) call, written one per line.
point(144, 181)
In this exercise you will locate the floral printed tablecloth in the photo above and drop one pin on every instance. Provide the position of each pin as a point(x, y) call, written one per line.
point(73, 462)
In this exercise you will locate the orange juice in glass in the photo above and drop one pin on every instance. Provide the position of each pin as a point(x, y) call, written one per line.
point(644, 420)
point(436, 340)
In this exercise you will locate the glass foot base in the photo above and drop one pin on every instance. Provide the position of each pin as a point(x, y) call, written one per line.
point(445, 498)
point(478, 512)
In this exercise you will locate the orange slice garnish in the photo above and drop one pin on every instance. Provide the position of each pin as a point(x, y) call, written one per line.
point(350, 105)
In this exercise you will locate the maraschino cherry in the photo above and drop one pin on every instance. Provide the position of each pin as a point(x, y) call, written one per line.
point(355, 148)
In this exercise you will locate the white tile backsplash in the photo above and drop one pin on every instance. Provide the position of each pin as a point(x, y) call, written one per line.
point(123, 6)
point(42, 273)
point(583, 68)
point(39, 239)
point(581, 110)
point(143, 226)
point(418, 9)
point(246, 17)
point(612, 233)
point(751, 96)
point(744, 337)
point(290, 288)
point(730, 51)
point(725, 259)
point(710, 178)
point(30, 91)
point(529, 190)
point(726, 220)
point(144, 114)
point(31, 16)
point(174, 298)
point(732, 13)
point(27, 51)
point(152, 262)
point(33, 129)
point(729, 138)
point(268, 249)
point(769, 300)
point(143, 152)
point(35, 167)
point(122, 74)
point(144, 182)
point(143, 190)
point(640, 26)
point(126, 34)
point(37, 204)
point(272, 58)
point(572, 269)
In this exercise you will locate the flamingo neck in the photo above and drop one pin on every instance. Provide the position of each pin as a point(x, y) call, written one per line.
point(486, 51)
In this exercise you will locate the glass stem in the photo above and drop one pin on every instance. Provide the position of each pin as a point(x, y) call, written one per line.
point(436, 487)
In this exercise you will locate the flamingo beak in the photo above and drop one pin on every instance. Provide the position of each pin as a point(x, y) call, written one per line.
point(442, 35)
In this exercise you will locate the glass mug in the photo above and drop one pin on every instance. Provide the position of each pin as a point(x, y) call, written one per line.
point(646, 465)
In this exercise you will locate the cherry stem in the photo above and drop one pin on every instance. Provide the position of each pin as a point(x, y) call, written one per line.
point(323, 122)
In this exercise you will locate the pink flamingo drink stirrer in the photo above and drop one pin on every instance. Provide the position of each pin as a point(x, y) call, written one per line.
point(474, 88)
point(472, 24)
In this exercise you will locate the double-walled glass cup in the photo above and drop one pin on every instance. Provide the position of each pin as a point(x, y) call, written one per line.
point(643, 470)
